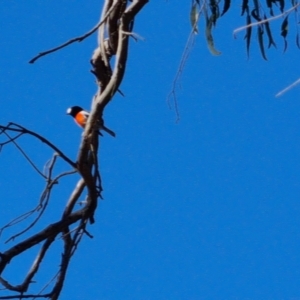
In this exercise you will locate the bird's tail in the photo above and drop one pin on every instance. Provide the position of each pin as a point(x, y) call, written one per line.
point(108, 131)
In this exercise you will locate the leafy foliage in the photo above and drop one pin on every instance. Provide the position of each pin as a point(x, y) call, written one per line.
point(255, 17)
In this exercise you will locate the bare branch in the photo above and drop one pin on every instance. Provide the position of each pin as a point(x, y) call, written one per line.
point(37, 208)
point(9, 141)
point(186, 52)
point(23, 130)
point(19, 219)
point(51, 230)
point(26, 296)
point(71, 41)
point(28, 279)
point(30, 225)
point(47, 284)
point(173, 93)
point(288, 88)
point(23, 152)
point(115, 29)
point(266, 20)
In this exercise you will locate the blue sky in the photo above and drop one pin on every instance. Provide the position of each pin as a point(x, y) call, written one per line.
point(204, 209)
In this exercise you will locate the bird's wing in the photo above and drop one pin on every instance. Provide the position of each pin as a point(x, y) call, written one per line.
point(85, 113)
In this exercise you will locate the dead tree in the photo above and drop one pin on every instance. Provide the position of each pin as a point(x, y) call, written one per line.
point(114, 31)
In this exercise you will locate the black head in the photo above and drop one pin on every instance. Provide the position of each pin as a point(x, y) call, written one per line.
point(74, 110)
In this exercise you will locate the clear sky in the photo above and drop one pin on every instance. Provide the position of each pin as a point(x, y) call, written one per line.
point(204, 209)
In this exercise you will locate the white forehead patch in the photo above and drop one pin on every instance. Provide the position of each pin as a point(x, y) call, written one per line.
point(69, 110)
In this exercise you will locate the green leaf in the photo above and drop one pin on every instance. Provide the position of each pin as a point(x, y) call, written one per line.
point(215, 12)
point(194, 17)
point(248, 34)
point(260, 34)
point(269, 33)
point(284, 31)
point(225, 7)
point(281, 4)
point(245, 7)
point(255, 15)
point(209, 37)
point(269, 5)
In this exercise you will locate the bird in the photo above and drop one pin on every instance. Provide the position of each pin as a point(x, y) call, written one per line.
point(80, 117)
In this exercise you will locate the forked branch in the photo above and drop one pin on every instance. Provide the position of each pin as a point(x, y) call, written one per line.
point(115, 29)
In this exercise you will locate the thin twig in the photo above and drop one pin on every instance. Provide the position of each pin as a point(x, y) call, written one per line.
point(47, 284)
point(19, 219)
point(183, 60)
point(41, 138)
point(12, 139)
point(71, 41)
point(30, 225)
point(77, 39)
point(45, 195)
point(288, 88)
point(186, 52)
point(265, 20)
point(86, 166)
point(24, 216)
point(70, 246)
point(26, 296)
point(35, 267)
point(50, 165)
point(24, 154)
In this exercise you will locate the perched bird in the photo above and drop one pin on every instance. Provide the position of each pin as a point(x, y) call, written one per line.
point(80, 117)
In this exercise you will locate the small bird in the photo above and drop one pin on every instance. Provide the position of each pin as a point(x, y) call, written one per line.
point(80, 117)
